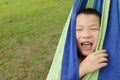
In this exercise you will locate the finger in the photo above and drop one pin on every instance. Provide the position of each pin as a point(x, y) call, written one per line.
point(101, 65)
point(102, 60)
point(100, 51)
point(102, 55)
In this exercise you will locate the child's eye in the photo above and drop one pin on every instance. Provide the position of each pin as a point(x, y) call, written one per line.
point(94, 29)
point(79, 29)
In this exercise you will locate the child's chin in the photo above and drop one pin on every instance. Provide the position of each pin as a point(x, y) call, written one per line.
point(86, 53)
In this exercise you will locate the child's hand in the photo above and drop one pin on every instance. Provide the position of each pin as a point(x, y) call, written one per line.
point(93, 62)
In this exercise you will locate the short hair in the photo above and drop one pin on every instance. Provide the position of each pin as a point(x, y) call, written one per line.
point(89, 11)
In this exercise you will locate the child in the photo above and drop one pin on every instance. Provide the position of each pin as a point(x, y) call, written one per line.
point(87, 34)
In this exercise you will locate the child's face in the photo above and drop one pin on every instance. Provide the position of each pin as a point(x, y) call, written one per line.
point(87, 32)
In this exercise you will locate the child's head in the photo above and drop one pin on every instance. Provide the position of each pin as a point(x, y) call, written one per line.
point(87, 30)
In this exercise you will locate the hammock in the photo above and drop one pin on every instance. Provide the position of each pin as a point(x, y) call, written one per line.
point(65, 62)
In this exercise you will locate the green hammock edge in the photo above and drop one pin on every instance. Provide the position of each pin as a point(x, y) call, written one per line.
point(103, 27)
point(55, 70)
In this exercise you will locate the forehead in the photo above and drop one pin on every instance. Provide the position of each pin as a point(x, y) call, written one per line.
point(89, 14)
point(87, 19)
point(83, 15)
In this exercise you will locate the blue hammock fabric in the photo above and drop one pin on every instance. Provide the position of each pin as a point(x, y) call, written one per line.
point(111, 43)
point(70, 72)
point(65, 63)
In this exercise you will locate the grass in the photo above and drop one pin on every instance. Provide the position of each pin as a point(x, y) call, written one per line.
point(29, 33)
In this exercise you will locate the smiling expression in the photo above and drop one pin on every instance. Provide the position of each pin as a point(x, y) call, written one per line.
point(87, 32)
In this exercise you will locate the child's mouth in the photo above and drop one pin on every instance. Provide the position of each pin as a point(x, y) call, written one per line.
point(86, 46)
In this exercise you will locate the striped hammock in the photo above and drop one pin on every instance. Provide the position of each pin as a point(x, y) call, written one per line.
point(65, 62)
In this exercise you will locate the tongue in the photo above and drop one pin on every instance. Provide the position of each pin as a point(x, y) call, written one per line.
point(86, 47)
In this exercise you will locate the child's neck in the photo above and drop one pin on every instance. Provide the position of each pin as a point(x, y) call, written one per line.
point(80, 59)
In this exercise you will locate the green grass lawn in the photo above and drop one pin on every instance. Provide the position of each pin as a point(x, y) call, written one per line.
point(29, 34)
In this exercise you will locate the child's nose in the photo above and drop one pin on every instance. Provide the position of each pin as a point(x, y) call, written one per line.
point(86, 34)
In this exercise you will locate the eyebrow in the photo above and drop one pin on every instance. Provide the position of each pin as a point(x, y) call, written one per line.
point(94, 25)
point(89, 25)
point(79, 26)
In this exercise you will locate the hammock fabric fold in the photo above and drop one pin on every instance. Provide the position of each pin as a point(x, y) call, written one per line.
point(65, 62)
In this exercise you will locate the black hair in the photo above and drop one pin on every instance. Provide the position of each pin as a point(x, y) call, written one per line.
point(89, 11)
